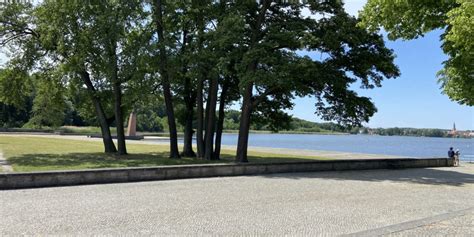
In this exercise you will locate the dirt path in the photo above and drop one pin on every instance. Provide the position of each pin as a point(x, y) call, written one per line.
point(4, 166)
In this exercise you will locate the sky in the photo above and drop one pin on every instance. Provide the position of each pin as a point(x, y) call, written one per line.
point(412, 100)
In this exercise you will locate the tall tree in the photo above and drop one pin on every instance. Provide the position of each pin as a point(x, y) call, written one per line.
point(120, 29)
point(101, 44)
point(201, 75)
point(39, 32)
point(271, 73)
point(184, 86)
point(412, 19)
point(159, 7)
point(216, 55)
point(189, 97)
point(223, 40)
point(257, 15)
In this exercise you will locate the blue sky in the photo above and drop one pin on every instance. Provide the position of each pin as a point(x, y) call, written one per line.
point(412, 100)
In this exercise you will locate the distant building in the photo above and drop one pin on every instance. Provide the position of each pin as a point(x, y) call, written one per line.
point(453, 131)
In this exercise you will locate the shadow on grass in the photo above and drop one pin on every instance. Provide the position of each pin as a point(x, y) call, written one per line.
point(428, 176)
point(71, 161)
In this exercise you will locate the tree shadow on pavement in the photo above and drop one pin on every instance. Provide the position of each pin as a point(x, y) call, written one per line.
point(455, 176)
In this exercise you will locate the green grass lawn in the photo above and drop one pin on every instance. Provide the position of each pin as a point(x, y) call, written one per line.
point(40, 154)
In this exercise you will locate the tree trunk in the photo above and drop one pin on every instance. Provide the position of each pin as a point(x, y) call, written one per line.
point(122, 148)
point(200, 119)
point(247, 103)
point(117, 91)
point(188, 136)
point(174, 152)
point(211, 119)
point(188, 129)
point(206, 116)
point(165, 82)
point(244, 128)
point(109, 145)
point(189, 100)
point(220, 121)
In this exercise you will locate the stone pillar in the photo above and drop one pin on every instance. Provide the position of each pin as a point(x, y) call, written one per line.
point(132, 125)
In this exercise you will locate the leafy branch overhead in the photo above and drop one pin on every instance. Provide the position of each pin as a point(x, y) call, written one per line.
point(412, 19)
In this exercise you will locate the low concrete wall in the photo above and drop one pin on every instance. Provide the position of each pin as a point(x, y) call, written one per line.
point(98, 176)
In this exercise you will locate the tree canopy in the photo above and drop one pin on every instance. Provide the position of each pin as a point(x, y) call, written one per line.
point(404, 19)
point(199, 57)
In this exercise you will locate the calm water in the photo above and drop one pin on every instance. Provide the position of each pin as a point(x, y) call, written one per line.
point(388, 145)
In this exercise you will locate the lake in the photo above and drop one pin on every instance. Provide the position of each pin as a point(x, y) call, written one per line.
point(387, 145)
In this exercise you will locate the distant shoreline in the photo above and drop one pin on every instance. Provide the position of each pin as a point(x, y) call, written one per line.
point(96, 131)
point(285, 132)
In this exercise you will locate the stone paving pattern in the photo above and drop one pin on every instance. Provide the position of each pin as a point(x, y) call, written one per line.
point(309, 204)
point(458, 226)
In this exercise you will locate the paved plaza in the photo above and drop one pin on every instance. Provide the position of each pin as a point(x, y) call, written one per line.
point(413, 202)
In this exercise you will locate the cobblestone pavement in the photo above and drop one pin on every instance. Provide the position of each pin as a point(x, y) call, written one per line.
point(457, 226)
point(434, 201)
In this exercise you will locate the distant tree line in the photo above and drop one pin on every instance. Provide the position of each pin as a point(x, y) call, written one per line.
point(419, 132)
point(150, 118)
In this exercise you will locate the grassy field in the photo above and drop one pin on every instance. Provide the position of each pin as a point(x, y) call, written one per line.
point(27, 154)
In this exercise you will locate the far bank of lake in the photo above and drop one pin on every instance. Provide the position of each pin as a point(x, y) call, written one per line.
point(370, 144)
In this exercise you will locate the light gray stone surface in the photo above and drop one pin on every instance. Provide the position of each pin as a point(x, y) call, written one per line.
point(451, 223)
point(462, 225)
point(4, 165)
point(118, 175)
point(322, 203)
